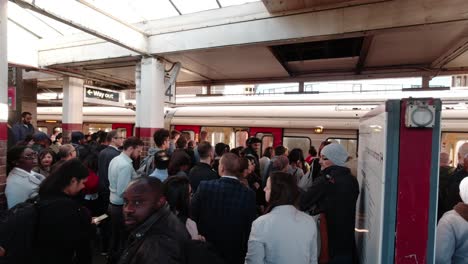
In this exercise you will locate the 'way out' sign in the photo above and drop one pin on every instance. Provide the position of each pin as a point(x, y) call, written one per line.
point(103, 96)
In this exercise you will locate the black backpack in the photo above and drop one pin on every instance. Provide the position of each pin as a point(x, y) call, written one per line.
point(18, 231)
point(200, 252)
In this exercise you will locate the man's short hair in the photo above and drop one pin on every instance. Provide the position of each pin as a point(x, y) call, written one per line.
point(112, 134)
point(280, 150)
point(148, 184)
point(174, 133)
point(252, 140)
point(204, 149)
point(463, 150)
point(220, 149)
point(77, 136)
point(24, 114)
point(181, 143)
point(132, 142)
point(160, 136)
point(230, 162)
point(65, 150)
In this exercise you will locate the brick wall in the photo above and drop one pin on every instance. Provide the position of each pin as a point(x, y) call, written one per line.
point(3, 150)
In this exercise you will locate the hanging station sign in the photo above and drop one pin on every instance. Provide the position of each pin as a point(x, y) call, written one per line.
point(103, 96)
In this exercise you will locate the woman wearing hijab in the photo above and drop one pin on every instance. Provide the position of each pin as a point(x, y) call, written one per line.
point(333, 195)
point(452, 231)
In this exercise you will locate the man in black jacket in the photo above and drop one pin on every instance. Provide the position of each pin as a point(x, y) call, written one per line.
point(157, 235)
point(202, 171)
point(335, 193)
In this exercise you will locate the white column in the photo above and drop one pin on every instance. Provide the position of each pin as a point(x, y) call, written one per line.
point(151, 101)
point(138, 93)
point(72, 100)
point(72, 114)
point(3, 67)
point(3, 99)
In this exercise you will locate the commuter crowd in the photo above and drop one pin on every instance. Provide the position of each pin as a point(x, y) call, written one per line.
point(191, 202)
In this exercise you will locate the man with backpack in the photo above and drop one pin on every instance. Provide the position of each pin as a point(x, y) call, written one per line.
point(161, 139)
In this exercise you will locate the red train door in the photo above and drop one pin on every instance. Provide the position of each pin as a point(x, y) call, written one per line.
point(194, 129)
point(270, 136)
point(126, 128)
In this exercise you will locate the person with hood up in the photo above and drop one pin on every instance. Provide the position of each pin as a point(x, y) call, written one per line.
point(333, 195)
point(452, 231)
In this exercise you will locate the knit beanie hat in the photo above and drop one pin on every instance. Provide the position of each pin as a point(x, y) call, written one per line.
point(464, 190)
point(336, 154)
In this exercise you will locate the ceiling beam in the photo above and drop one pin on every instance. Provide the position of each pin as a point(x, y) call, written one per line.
point(103, 26)
point(277, 6)
point(281, 61)
point(388, 16)
point(339, 75)
point(460, 47)
point(366, 44)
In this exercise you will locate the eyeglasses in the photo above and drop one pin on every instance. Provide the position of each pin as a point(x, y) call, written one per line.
point(323, 157)
point(30, 156)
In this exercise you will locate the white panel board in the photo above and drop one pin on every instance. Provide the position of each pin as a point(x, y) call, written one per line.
point(371, 177)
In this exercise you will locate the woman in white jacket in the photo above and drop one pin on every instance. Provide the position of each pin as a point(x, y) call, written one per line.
point(22, 183)
point(284, 234)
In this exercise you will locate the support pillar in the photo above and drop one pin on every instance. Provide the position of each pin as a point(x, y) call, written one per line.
point(301, 87)
point(72, 115)
point(3, 100)
point(425, 82)
point(149, 77)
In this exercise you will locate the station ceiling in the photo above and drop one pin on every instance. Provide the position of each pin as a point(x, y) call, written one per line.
point(239, 41)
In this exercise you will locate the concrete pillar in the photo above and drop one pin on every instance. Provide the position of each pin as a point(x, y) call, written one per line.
point(425, 81)
point(301, 87)
point(3, 99)
point(150, 99)
point(72, 119)
point(29, 99)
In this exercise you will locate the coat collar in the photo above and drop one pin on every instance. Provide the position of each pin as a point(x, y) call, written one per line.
point(141, 230)
point(32, 176)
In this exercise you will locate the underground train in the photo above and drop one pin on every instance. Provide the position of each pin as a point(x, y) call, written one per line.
point(293, 121)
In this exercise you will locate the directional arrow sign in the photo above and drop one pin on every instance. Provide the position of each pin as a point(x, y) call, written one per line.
point(103, 96)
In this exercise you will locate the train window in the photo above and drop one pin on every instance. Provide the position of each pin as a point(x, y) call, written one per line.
point(451, 142)
point(267, 141)
point(457, 147)
point(349, 144)
point(188, 134)
point(123, 131)
point(43, 129)
point(297, 142)
point(241, 137)
point(225, 135)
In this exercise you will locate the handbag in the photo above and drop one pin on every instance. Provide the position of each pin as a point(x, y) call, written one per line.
point(324, 256)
